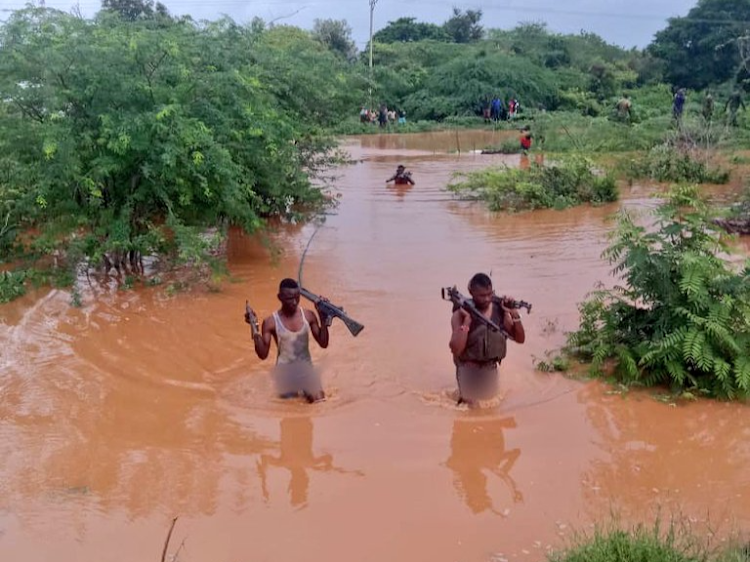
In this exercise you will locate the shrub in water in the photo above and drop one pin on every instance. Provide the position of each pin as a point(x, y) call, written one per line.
point(682, 317)
point(570, 182)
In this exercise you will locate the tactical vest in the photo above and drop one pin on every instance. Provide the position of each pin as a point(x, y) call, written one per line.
point(484, 344)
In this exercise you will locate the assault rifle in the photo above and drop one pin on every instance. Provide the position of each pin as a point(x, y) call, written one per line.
point(460, 301)
point(251, 319)
point(332, 311)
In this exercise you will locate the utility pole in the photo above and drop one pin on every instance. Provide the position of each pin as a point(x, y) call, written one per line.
point(372, 11)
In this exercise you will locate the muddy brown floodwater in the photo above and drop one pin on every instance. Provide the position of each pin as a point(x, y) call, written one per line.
point(139, 406)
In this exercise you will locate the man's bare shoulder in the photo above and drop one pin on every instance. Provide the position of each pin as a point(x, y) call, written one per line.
point(310, 315)
point(270, 323)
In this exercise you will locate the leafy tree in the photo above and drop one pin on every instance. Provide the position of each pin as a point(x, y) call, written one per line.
point(456, 87)
point(408, 29)
point(682, 317)
point(698, 49)
point(124, 138)
point(463, 27)
point(337, 36)
point(132, 10)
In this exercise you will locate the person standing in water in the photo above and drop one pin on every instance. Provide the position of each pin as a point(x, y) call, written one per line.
point(290, 327)
point(401, 177)
point(478, 350)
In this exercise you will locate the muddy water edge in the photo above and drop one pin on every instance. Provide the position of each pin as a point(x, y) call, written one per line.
point(141, 406)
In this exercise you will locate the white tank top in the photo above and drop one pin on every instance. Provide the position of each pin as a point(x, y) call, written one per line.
point(294, 347)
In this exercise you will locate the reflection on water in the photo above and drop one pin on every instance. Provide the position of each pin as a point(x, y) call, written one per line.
point(297, 456)
point(525, 161)
point(478, 450)
point(399, 190)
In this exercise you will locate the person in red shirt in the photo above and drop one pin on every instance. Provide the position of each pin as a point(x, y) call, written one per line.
point(526, 139)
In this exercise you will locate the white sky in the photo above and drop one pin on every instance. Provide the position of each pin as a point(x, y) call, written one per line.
point(628, 23)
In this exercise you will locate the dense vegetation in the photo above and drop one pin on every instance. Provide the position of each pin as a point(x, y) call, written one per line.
point(135, 133)
point(681, 318)
point(569, 182)
point(123, 139)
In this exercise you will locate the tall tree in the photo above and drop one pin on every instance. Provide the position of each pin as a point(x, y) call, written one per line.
point(463, 27)
point(337, 36)
point(409, 29)
point(699, 49)
point(132, 10)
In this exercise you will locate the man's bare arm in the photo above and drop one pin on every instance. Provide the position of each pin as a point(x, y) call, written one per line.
point(512, 324)
point(460, 323)
point(319, 329)
point(262, 340)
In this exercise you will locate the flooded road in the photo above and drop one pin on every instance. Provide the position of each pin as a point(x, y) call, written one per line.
point(142, 405)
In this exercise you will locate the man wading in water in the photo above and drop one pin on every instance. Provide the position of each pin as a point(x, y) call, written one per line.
point(478, 350)
point(291, 327)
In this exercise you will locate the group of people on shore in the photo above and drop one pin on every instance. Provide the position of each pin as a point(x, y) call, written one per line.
point(382, 116)
point(496, 110)
point(734, 103)
point(731, 108)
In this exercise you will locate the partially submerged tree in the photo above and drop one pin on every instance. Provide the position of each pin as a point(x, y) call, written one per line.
point(125, 139)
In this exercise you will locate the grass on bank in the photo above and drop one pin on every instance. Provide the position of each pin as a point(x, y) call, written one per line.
point(647, 544)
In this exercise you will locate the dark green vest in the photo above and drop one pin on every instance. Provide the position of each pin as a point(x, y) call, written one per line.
point(484, 344)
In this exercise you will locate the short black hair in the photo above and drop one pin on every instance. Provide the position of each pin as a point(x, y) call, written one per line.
point(288, 283)
point(480, 280)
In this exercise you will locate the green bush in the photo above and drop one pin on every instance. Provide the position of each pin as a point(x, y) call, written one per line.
point(667, 163)
point(682, 317)
point(567, 183)
point(12, 285)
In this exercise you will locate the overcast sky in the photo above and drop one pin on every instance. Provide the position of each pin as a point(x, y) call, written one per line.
point(628, 23)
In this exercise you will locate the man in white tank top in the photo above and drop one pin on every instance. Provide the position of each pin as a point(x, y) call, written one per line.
point(290, 327)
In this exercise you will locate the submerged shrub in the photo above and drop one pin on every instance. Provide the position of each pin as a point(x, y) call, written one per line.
point(682, 318)
point(564, 184)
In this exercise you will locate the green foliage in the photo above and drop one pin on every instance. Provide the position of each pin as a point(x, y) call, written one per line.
point(118, 135)
point(639, 544)
point(408, 30)
point(337, 36)
point(570, 182)
point(700, 49)
point(12, 285)
point(510, 146)
point(463, 27)
point(667, 163)
point(459, 86)
point(557, 363)
point(682, 318)
point(132, 10)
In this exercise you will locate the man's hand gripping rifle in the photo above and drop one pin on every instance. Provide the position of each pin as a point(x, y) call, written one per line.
point(460, 301)
point(252, 319)
point(329, 311)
